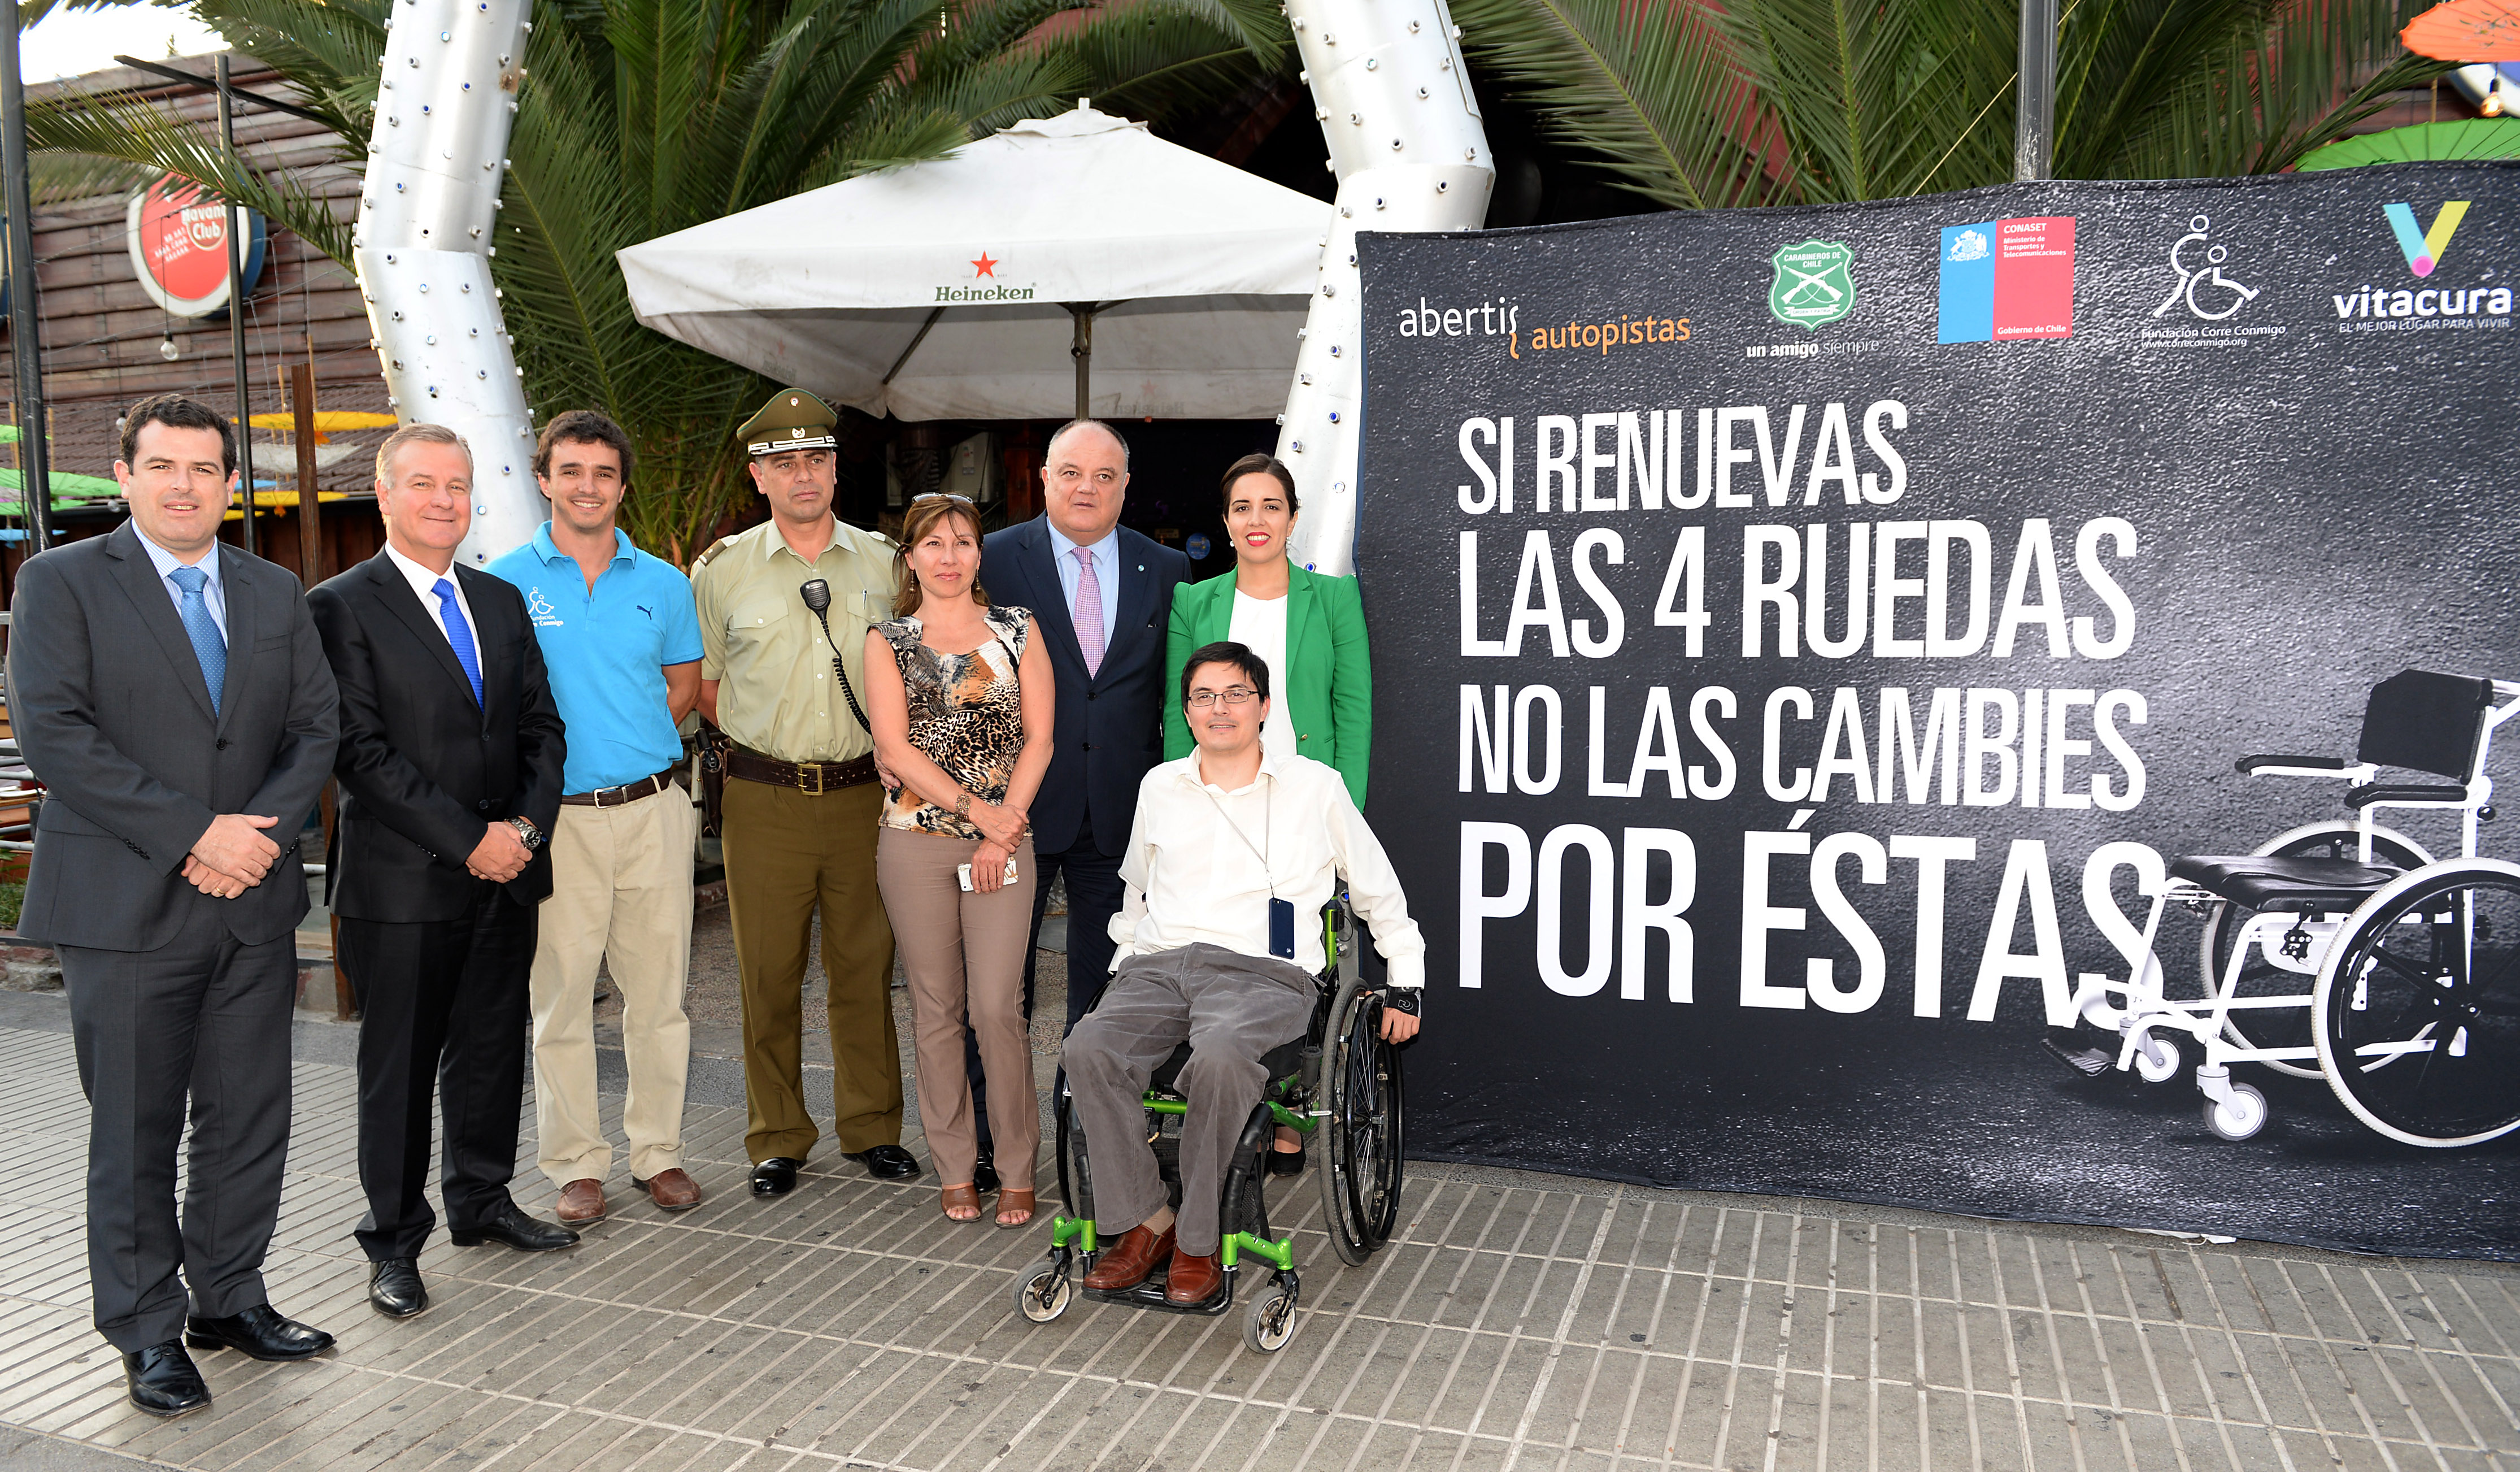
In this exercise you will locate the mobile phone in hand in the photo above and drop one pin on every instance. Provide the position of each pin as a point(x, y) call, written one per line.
point(962, 872)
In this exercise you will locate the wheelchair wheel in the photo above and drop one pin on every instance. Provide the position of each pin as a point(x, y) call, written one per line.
point(2239, 1116)
point(2156, 1059)
point(2416, 1015)
point(2287, 1027)
point(1045, 1293)
point(1364, 1128)
point(1270, 1321)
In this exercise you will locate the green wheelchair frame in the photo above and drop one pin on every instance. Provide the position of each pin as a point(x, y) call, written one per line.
point(1341, 1084)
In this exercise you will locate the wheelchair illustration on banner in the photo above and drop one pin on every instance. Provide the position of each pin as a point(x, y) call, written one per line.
point(1340, 1082)
point(2344, 950)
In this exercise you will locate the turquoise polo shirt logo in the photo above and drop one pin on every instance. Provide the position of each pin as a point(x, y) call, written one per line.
point(540, 607)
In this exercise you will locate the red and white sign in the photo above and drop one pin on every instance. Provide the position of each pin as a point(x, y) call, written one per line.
point(178, 235)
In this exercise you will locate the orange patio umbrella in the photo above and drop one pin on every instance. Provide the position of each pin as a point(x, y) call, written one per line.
point(2467, 30)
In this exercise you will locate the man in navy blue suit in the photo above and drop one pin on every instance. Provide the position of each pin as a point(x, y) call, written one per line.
point(1101, 596)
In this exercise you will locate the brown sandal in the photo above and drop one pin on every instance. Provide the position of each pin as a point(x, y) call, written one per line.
point(962, 1196)
point(1013, 1200)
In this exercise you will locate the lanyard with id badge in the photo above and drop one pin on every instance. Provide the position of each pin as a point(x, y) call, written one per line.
point(1281, 912)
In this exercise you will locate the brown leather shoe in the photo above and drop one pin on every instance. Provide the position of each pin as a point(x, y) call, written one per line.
point(672, 1190)
point(581, 1201)
point(1125, 1264)
point(1192, 1280)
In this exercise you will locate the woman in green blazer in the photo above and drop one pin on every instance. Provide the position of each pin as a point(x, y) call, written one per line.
point(1309, 628)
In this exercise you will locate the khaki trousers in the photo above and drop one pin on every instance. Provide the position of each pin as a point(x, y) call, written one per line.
point(621, 891)
point(790, 855)
point(965, 952)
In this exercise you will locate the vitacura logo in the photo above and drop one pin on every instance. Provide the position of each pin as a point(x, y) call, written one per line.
point(2424, 249)
point(987, 267)
point(1811, 284)
point(2423, 253)
point(2226, 294)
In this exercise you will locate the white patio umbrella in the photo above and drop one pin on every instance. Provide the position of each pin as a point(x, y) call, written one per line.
point(1074, 264)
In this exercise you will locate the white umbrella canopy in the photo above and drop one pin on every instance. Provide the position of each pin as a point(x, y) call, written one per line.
point(946, 290)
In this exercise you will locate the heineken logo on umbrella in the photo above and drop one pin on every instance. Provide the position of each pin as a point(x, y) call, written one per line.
point(1813, 286)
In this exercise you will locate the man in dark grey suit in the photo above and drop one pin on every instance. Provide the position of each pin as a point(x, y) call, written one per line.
point(173, 697)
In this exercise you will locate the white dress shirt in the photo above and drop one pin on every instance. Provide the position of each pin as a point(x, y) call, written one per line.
point(212, 592)
point(1107, 573)
point(1189, 877)
point(1259, 624)
point(425, 583)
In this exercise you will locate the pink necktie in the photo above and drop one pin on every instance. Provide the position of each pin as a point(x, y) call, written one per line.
point(1089, 612)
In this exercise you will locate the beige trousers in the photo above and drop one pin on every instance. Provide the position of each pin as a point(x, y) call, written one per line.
point(965, 952)
point(621, 891)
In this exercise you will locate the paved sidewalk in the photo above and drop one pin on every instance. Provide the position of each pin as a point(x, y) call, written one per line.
point(1523, 1320)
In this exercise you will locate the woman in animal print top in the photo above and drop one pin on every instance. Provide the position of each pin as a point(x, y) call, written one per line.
point(961, 705)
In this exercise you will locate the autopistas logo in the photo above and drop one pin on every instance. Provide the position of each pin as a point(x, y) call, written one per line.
point(1501, 317)
point(2377, 308)
point(984, 269)
point(1813, 282)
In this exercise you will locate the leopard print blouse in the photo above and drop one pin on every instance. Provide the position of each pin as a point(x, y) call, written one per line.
point(966, 714)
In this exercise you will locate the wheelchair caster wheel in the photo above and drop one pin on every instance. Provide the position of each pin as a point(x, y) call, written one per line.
point(2156, 1059)
point(1045, 1293)
point(2238, 1116)
point(1270, 1321)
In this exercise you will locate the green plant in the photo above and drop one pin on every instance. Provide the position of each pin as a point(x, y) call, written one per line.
point(640, 117)
point(1695, 103)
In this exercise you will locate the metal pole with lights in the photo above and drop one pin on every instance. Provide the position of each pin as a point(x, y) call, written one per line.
point(25, 331)
point(236, 308)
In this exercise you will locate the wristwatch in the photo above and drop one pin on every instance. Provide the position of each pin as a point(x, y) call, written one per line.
point(531, 835)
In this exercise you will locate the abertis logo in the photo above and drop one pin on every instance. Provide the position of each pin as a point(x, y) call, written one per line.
point(2424, 247)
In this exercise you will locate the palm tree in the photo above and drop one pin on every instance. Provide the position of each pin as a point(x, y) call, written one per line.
point(640, 117)
point(1695, 104)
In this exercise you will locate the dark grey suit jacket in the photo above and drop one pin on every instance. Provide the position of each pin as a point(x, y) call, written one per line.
point(109, 709)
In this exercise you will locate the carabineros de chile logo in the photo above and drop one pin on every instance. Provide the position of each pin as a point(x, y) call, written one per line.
point(1812, 284)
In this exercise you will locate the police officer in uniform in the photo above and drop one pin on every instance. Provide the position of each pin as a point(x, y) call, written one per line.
point(784, 611)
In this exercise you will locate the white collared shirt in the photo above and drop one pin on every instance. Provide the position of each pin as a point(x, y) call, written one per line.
point(1189, 877)
point(1107, 575)
point(425, 583)
point(213, 592)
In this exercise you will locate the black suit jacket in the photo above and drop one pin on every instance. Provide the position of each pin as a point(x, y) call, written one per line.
point(424, 770)
point(1109, 727)
point(111, 710)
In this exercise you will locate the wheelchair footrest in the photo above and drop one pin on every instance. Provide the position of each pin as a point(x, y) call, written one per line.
point(1150, 1295)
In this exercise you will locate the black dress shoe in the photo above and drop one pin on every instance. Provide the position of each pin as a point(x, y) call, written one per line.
point(260, 1332)
point(887, 1162)
point(775, 1177)
point(163, 1380)
point(516, 1229)
point(394, 1289)
point(984, 1173)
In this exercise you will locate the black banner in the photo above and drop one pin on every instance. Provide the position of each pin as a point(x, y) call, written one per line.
point(1802, 637)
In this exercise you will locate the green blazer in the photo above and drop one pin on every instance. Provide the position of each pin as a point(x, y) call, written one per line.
point(1328, 675)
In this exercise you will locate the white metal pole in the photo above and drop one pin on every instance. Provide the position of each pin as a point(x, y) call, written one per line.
point(425, 232)
point(1395, 106)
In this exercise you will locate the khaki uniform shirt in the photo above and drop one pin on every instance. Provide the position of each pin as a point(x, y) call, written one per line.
point(765, 648)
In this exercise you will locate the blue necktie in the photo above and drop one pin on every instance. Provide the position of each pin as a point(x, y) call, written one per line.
point(209, 646)
point(459, 633)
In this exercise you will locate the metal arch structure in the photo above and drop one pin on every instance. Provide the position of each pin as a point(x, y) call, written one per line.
point(421, 245)
point(1405, 140)
point(1389, 89)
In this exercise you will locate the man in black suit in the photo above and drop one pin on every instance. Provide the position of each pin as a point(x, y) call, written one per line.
point(1102, 596)
point(450, 769)
point(172, 697)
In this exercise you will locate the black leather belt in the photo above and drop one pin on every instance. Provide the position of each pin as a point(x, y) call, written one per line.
point(614, 796)
point(802, 776)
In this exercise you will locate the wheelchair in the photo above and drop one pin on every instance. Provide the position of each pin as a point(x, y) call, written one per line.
point(1339, 1083)
point(2343, 949)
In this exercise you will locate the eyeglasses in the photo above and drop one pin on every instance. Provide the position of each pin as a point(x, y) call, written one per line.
point(1233, 695)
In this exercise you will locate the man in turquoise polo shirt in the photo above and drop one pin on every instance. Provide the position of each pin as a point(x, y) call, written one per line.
point(622, 641)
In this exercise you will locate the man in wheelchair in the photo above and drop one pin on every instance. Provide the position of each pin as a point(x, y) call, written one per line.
point(1230, 846)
